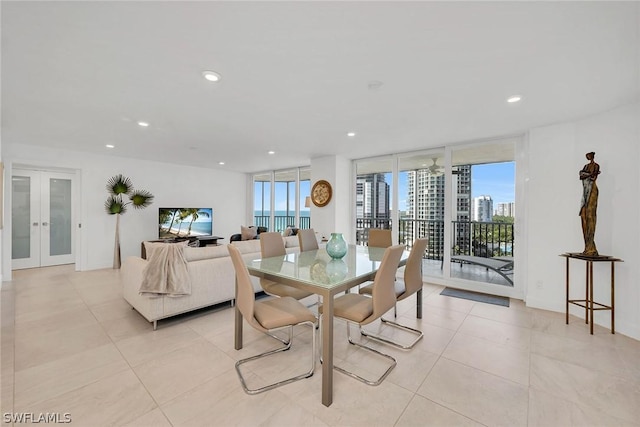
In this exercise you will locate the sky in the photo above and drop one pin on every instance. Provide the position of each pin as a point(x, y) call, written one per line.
point(496, 180)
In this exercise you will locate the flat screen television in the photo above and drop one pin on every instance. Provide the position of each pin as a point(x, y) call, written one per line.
point(184, 222)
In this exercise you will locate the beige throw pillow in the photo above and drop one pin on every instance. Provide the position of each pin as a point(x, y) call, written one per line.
point(248, 233)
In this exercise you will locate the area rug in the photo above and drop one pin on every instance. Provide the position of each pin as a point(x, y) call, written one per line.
point(476, 296)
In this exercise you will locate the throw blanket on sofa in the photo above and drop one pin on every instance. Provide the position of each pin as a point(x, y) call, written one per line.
point(166, 273)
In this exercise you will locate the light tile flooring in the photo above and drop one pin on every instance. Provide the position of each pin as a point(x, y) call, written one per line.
point(71, 344)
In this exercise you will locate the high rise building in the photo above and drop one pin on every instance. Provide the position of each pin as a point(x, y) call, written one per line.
point(506, 209)
point(425, 205)
point(372, 203)
point(482, 209)
point(372, 196)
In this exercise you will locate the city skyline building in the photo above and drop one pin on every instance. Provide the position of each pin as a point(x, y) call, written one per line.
point(373, 208)
point(482, 209)
point(506, 209)
point(426, 205)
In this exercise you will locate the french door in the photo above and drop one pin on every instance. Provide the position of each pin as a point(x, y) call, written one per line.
point(42, 232)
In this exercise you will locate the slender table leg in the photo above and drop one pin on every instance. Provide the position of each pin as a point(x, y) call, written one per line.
point(586, 296)
point(238, 323)
point(419, 304)
point(327, 349)
point(613, 297)
point(590, 264)
point(566, 310)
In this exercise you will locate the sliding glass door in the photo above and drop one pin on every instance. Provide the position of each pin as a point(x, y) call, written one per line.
point(483, 228)
point(460, 197)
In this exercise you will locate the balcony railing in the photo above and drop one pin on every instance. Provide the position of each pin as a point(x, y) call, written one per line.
point(281, 222)
point(485, 239)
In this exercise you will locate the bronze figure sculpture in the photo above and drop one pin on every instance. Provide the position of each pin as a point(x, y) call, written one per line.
point(589, 205)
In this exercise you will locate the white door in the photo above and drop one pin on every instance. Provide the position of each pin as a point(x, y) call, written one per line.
point(42, 218)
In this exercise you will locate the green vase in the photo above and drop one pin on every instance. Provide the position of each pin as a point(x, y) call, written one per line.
point(336, 246)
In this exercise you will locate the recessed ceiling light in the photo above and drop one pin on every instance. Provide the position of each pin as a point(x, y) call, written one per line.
point(272, 152)
point(143, 124)
point(515, 98)
point(221, 163)
point(212, 76)
point(110, 146)
point(351, 134)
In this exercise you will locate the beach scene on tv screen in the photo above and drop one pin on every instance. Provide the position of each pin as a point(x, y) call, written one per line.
point(185, 222)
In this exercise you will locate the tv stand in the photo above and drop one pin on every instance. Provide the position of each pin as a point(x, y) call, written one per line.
point(202, 242)
point(207, 240)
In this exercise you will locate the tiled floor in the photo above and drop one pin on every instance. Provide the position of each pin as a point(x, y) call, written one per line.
point(71, 344)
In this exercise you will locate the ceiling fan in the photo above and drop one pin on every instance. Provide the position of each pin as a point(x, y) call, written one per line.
point(435, 169)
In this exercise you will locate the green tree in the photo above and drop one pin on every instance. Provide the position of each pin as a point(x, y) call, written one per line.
point(195, 214)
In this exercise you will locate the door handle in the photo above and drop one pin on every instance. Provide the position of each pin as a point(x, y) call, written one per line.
point(45, 223)
point(35, 224)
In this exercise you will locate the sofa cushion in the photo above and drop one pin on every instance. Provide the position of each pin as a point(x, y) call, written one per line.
point(150, 247)
point(248, 233)
point(196, 254)
point(291, 242)
point(248, 246)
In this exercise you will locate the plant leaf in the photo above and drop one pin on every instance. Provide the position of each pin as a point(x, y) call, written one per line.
point(114, 205)
point(119, 184)
point(141, 199)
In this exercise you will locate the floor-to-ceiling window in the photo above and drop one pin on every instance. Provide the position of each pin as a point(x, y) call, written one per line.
point(482, 229)
point(373, 196)
point(304, 199)
point(460, 197)
point(284, 199)
point(262, 200)
point(421, 200)
point(280, 199)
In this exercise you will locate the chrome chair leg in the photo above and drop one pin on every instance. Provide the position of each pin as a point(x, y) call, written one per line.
point(277, 350)
point(392, 360)
point(385, 340)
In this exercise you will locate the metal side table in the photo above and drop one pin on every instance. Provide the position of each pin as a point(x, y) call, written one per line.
point(588, 303)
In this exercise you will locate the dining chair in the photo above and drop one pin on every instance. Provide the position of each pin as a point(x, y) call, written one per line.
point(271, 244)
point(411, 285)
point(268, 316)
point(307, 239)
point(379, 238)
point(360, 309)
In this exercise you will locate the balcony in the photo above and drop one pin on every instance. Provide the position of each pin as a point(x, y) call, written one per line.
point(483, 239)
point(280, 222)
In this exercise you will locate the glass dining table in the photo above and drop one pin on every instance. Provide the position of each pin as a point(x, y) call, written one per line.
point(314, 271)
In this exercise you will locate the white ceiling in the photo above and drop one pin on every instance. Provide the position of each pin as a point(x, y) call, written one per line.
point(296, 75)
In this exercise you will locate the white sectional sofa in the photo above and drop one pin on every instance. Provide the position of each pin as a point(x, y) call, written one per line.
point(212, 279)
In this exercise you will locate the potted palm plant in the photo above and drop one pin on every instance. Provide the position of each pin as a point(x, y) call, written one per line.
point(118, 186)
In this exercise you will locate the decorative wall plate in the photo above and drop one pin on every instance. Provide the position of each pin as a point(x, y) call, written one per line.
point(321, 193)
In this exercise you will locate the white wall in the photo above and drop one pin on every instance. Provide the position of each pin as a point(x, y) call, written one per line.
point(172, 186)
point(555, 155)
point(334, 217)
